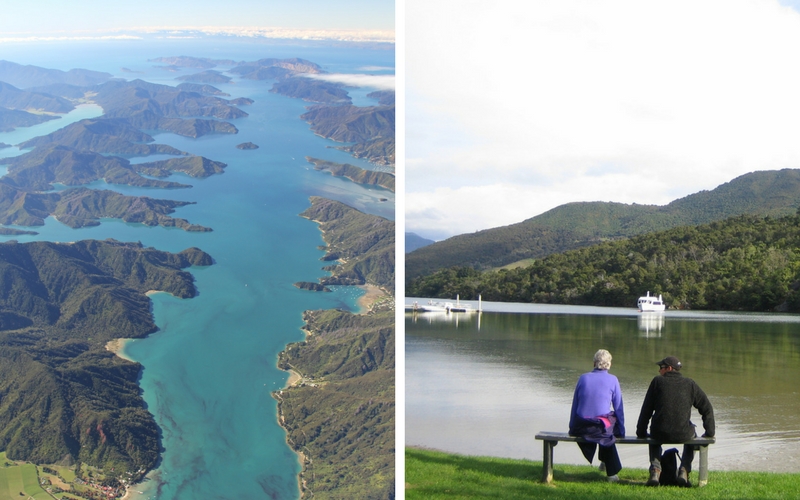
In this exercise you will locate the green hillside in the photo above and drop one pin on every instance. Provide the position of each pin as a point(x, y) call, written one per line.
point(576, 225)
point(744, 263)
point(341, 415)
point(64, 398)
point(363, 244)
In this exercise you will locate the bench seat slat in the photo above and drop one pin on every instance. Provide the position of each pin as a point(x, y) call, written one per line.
point(551, 439)
point(563, 436)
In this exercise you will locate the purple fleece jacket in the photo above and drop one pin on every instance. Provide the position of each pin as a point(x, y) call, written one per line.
point(597, 393)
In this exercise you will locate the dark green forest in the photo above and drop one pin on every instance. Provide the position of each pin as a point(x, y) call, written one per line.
point(744, 263)
point(576, 225)
point(341, 417)
point(63, 397)
point(362, 243)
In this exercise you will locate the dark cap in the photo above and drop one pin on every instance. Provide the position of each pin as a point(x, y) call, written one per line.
point(672, 361)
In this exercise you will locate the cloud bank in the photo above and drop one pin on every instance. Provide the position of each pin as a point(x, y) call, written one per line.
point(379, 82)
point(513, 109)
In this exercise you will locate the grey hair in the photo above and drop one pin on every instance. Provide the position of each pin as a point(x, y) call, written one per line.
point(602, 359)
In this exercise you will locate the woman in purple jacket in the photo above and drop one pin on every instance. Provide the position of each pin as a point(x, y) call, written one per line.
point(598, 414)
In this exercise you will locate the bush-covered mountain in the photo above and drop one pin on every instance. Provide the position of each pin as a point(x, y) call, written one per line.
point(63, 396)
point(13, 118)
point(312, 90)
point(26, 76)
point(272, 69)
point(210, 76)
point(202, 89)
point(82, 207)
point(363, 243)
point(370, 128)
point(414, 241)
point(341, 415)
point(744, 263)
point(39, 169)
point(384, 97)
point(102, 135)
point(14, 98)
point(355, 174)
point(194, 166)
point(575, 225)
point(150, 106)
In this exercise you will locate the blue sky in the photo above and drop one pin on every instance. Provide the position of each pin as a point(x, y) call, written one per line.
point(56, 16)
point(514, 108)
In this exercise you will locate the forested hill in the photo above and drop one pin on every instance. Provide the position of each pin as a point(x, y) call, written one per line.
point(575, 225)
point(63, 397)
point(745, 263)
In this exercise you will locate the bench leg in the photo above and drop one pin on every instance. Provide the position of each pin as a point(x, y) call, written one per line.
point(703, 479)
point(547, 461)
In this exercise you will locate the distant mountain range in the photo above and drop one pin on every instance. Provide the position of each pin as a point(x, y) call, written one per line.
point(575, 225)
point(24, 76)
point(415, 241)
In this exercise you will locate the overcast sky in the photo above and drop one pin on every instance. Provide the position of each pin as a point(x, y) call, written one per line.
point(514, 108)
point(58, 16)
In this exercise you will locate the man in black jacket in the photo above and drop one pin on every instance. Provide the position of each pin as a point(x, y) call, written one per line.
point(669, 401)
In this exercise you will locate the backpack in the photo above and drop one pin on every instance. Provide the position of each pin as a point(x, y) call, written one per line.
point(669, 467)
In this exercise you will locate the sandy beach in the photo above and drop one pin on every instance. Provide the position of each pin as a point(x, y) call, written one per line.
point(373, 294)
point(117, 346)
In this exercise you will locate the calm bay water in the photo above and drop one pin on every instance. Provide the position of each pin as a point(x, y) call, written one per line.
point(209, 370)
point(486, 384)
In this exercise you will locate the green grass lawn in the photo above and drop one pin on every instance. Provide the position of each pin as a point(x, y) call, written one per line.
point(434, 475)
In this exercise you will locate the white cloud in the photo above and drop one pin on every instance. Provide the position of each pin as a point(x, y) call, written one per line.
point(380, 82)
point(514, 108)
point(367, 36)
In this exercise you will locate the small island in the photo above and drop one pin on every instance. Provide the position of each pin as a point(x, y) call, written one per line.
point(247, 145)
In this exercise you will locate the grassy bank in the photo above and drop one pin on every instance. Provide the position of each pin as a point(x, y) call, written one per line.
point(431, 475)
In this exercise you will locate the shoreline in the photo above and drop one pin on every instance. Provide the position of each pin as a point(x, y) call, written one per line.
point(372, 295)
point(117, 346)
point(294, 379)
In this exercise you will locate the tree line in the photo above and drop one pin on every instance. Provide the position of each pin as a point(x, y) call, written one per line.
point(744, 263)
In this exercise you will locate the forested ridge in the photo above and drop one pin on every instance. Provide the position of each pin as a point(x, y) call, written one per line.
point(63, 397)
point(744, 263)
point(575, 225)
point(363, 244)
point(341, 416)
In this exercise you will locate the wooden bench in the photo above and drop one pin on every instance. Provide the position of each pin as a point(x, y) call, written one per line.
point(551, 439)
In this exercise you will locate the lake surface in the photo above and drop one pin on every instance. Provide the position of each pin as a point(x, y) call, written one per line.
point(209, 370)
point(485, 384)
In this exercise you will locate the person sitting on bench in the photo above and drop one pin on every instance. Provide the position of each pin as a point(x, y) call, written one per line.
point(597, 414)
point(669, 401)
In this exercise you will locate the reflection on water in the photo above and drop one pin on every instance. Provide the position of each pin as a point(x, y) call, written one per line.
point(650, 324)
point(484, 384)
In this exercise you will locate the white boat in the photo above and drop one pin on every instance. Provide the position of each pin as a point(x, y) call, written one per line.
point(445, 307)
point(650, 303)
point(431, 306)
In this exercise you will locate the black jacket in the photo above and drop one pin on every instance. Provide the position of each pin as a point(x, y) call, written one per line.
point(669, 401)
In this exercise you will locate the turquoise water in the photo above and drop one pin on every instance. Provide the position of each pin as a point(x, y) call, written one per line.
point(209, 370)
